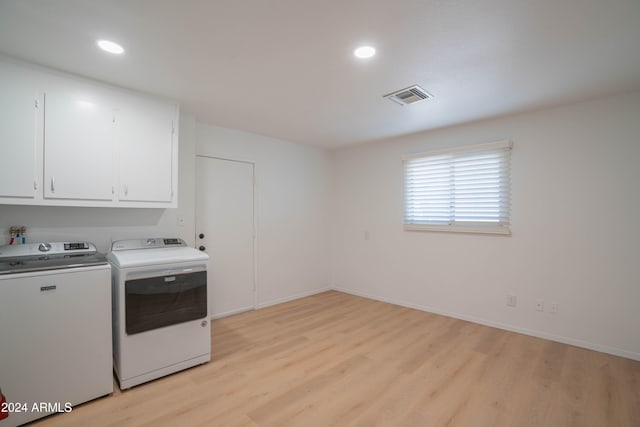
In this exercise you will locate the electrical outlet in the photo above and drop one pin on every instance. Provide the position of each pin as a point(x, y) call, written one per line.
point(555, 307)
point(180, 221)
point(511, 300)
point(539, 305)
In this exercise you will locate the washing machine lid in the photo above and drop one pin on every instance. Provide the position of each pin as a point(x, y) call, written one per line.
point(153, 251)
point(48, 256)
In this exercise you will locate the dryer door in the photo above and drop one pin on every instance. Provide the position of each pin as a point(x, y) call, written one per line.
point(156, 302)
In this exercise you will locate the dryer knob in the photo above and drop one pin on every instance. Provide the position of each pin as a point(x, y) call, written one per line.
point(44, 247)
point(202, 248)
point(204, 323)
point(201, 235)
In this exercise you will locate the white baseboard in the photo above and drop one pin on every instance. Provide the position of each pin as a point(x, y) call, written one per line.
point(231, 312)
point(292, 297)
point(269, 303)
point(539, 334)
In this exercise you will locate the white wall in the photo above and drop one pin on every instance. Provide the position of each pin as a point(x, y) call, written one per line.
point(575, 234)
point(292, 203)
point(103, 225)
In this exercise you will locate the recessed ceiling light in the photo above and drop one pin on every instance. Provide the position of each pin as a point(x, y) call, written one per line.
point(111, 47)
point(85, 104)
point(364, 52)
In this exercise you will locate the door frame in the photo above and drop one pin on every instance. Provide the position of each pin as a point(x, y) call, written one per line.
point(255, 225)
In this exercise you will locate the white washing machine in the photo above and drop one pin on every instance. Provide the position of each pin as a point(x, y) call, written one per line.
point(55, 328)
point(160, 318)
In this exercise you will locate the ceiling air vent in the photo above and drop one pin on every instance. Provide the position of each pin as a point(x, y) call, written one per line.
point(408, 95)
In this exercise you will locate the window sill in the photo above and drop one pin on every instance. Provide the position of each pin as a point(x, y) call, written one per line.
point(500, 230)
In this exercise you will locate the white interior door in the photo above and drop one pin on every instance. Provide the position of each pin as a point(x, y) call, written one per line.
point(225, 230)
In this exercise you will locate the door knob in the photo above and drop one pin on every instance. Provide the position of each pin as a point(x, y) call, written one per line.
point(201, 235)
point(202, 248)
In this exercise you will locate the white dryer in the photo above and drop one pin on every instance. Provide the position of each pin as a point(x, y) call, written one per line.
point(160, 318)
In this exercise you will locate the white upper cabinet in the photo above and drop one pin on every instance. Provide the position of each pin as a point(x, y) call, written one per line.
point(78, 146)
point(70, 141)
point(144, 133)
point(19, 104)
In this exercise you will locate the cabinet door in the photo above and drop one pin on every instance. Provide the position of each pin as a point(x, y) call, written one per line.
point(18, 127)
point(78, 147)
point(144, 134)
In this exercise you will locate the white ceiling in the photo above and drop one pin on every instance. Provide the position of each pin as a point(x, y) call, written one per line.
point(284, 68)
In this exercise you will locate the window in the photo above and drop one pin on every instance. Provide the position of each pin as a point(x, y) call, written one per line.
point(465, 189)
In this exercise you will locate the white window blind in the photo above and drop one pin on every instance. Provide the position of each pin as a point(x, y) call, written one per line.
point(466, 189)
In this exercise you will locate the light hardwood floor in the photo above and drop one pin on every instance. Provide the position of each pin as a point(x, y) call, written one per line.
point(335, 359)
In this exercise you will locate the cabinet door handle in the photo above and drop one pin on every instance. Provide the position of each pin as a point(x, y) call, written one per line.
point(53, 184)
